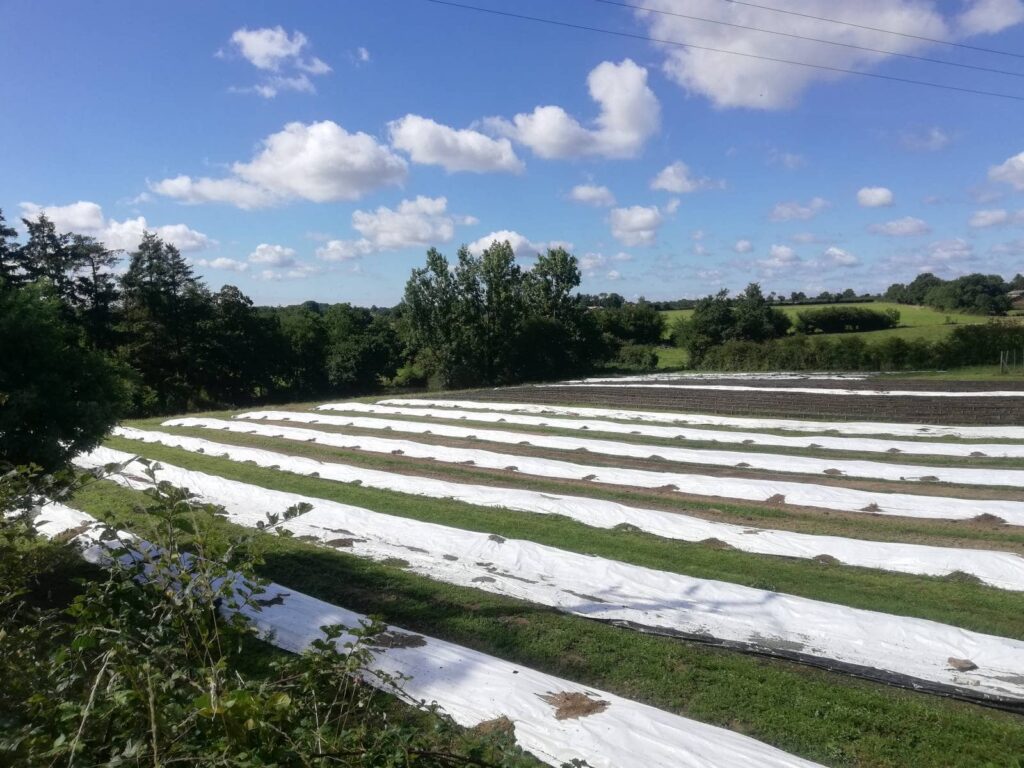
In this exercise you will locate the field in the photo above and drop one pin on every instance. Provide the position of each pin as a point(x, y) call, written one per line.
point(844, 593)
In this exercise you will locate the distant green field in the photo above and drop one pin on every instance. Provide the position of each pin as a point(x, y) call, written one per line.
point(915, 322)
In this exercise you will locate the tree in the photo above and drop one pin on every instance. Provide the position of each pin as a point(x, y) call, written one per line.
point(47, 255)
point(976, 294)
point(362, 348)
point(57, 395)
point(8, 253)
point(95, 291)
point(164, 311)
point(754, 319)
point(306, 340)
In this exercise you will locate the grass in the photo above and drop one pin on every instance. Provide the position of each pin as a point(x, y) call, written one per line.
point(972, 606)
point(823, 716)
point(870, 527)
point(915, 322)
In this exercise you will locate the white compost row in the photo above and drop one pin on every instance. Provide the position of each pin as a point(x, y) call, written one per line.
point(667, 417)
point(473, 687)
point(746, 489)
point(804, 465)
point(823, 442)
point(811, 390)
point(1004, 570)
point(725, 376)
point(903, 650)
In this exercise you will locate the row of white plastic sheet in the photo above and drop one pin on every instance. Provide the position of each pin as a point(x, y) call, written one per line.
point(820, 442)
point(473, 687)
point(901, 650)
point(788, 464)
point(729, 422)
point(1004, 570)
point(745, 489)
point(807, 390)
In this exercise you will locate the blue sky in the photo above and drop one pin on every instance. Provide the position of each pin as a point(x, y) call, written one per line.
point(315, 150)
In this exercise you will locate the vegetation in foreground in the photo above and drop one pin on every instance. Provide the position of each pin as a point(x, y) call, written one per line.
point(148, 662)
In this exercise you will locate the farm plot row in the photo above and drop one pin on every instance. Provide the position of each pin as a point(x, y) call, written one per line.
point(672, 434)
point(935, 410)
point(597, 560)
point(765, 425)
point(760, 489)
point(734, 457)
point(801, 710)
point(472, 687)
point(837, 382)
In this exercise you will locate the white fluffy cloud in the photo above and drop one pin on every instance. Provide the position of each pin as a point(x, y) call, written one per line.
point(743, 246)
point(274, 51)
point(320, 162)
point(592, 194)
point(522, 246)
point(421, 222)
point(874, 197)
point(995, 217)
point(838, 257)
point(925, 140)
point(795, 211)
point(781, 258)
point(678, 179)
point(630, 114)
point(273, 255)
point(739, 81)
point(1010, 171)
point(430, 143)
point(597, 264)
point(636, 225)
point(86, 218)
point(224, 263)
point(986, 17)
point(904, 227)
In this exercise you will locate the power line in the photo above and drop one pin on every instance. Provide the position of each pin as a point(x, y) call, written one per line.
point(723, 23)
point(646, 38)
point(874, 29)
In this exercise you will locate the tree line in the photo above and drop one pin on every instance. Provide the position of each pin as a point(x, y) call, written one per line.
point(974, 294)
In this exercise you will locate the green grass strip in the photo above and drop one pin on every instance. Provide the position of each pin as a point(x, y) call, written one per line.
point(819, 715)
point(948, 600)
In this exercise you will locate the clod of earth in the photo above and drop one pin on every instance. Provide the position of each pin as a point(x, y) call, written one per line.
point(894, 450)
point(397, 452)
point(778, 498)
point(832, 471)
point(743, 465)
point(450, 557)
point(827, 560)
point(987, 518)
point(569, 706)
point(511, 468)
point(496, 538)
point(929, 479)
point(391, 639)
point(590, 477)
point(668, 487)
point(499, 725)
point(277, 599)
point(484, 579)
point(342, 542)
point(872, 507)
point(397, 562)
point(715, 543)
point(962, 665)
point(977, 453)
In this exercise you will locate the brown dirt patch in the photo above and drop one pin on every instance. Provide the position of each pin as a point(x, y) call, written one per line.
point(390, 639)
point(962, 665)
point(569, 706)
point(498, 726)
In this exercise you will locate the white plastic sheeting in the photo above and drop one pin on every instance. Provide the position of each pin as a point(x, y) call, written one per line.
point(999, 569)
point(742, 422)
point(897, 649)
point(823, 442)
point(678, 376)
point(813, 390)
point(749, 489)
point(473, 688)
point(807, 465)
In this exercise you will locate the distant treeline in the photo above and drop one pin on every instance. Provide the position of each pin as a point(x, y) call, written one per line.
point(172, 344)
point(974, 294)
point(979, 344)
